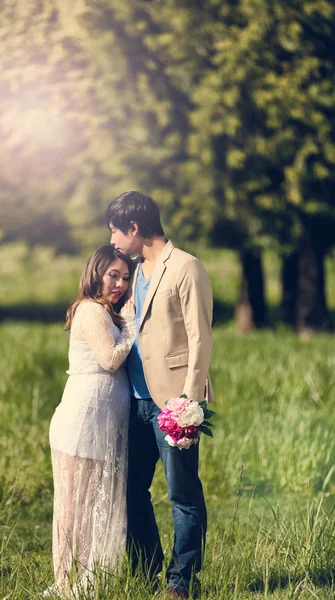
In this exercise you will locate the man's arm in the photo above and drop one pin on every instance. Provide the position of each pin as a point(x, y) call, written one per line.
point(196, 299)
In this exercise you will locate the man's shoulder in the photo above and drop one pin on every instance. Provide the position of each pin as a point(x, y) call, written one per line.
point(182, 257)
point(186, 266)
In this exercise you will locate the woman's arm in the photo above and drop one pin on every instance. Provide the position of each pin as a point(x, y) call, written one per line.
point(98, 331)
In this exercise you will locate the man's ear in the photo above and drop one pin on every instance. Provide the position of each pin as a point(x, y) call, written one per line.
point(134, 228)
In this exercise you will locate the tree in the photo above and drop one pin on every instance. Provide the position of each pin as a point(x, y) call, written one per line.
point(267, 124)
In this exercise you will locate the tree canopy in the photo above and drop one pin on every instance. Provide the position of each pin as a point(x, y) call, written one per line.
point(224, 112)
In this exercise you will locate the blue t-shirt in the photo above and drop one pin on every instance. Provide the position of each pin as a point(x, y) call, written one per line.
point(135, 368)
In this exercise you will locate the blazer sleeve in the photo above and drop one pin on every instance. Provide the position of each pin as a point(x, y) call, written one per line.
point(195, 293)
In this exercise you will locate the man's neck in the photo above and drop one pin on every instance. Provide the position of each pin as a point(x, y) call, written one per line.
point(152, 249)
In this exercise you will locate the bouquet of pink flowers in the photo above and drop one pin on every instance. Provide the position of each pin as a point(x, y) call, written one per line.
point(183, 420)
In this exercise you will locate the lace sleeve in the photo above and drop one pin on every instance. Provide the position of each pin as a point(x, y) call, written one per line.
point(98, 330)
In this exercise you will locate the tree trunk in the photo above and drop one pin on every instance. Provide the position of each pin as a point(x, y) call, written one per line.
point(312, 312)
point(251, 309)
point(289, 280)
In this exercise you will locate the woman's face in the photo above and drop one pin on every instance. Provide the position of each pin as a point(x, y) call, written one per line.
point(115, 281)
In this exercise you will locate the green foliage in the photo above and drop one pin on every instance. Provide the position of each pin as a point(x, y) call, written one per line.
point(88, 110)
point(223, 112)
point(264, 115)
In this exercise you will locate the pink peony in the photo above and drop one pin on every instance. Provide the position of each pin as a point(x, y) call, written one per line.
point(169, 422)
point(177, 405)
point(191, 432)
point(175, 432)
point(165, 419)
point(185, 443)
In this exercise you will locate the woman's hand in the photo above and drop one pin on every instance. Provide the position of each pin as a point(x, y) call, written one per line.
point(128, 309)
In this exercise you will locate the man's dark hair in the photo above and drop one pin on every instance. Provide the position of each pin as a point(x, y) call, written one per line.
point(134, 206)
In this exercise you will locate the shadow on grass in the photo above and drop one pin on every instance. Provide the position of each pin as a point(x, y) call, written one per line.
point(40, 313)
point(48, 313)
point(222, 313)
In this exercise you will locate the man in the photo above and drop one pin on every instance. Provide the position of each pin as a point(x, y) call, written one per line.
point(173, 302)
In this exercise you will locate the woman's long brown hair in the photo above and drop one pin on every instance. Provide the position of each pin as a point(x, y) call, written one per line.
point(90, 285)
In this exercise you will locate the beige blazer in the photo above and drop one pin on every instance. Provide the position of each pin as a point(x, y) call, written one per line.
point(176, 328)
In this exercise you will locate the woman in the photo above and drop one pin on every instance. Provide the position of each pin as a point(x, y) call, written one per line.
point(88, 432)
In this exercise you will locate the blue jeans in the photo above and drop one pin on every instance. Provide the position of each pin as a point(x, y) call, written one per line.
point(146, 445)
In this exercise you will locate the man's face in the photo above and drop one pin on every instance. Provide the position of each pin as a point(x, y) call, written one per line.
point(128, 242)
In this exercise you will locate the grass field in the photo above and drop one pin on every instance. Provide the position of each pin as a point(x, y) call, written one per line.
point(268, 474)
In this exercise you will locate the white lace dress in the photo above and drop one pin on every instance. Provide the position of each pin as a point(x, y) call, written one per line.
point(88, 438)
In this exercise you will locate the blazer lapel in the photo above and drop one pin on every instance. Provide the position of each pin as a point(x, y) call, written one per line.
point(155, 280)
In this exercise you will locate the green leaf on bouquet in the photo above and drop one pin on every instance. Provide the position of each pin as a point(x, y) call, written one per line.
point(203, 404)
point(183, 396)
point(205, 430)
point(207, 423)
point(208, 413)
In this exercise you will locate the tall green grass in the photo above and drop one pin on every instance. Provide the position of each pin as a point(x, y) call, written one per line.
point(268, 474)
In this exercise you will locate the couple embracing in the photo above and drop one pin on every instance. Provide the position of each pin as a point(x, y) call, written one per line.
point(124, 365)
